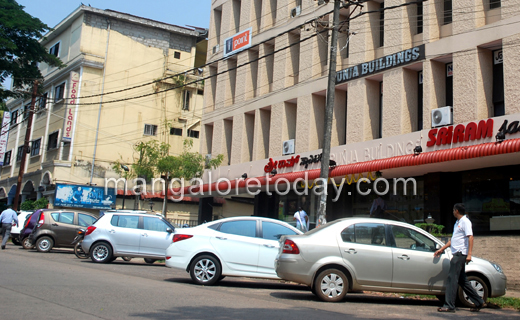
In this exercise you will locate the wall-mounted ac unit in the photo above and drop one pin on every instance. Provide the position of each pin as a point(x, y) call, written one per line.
point(288, 147)
point(296, 11)
point(442, 116)
point(216, 49)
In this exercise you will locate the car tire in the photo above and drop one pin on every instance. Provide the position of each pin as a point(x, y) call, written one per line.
point(27, 243)
point(15, 241)
point(127, 258)
point(101, 252)
point(331, 285)
point(149, 261)
point(479, 285)
point(205, 270)
point(79, 252)
point(44, 244)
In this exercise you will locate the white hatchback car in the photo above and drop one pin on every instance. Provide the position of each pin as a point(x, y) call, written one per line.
point(15, 231)
point(238, 246)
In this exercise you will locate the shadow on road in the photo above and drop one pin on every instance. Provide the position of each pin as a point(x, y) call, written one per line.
point(246, 283)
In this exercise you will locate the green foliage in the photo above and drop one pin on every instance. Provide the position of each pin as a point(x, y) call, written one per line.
point(20, 50)
point(27, 205)
point(30, 205)
point(505, 302)
point(434, 229)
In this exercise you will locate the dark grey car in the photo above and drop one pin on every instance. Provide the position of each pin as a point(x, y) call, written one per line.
point(57, 228)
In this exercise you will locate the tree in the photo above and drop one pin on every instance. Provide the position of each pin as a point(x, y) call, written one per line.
point(20, 49)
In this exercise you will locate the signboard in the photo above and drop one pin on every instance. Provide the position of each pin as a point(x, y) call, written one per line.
point(238, 42)
point(4, 136)
point(81, 196)
point(449, 69)
point(68, 122)
point(390, 61)
point(498, 57)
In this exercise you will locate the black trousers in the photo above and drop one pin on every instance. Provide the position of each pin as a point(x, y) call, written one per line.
point(456, 278)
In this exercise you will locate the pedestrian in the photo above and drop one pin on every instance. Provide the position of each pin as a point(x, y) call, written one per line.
point(378, 208)
point(6, 218)
point(461, 246)
point(302, 220)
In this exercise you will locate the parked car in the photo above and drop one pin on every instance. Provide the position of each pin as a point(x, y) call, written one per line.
point(30, 223)
point(239, 246)
point(355, 254)
point(128, 234)
point(15, 231)
point(57, 228)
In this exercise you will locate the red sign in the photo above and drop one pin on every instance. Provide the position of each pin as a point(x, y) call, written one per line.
point(461, 133)
point(238, 42)
point(281, 163)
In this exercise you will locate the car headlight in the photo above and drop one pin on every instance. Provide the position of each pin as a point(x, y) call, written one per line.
point(497, 267)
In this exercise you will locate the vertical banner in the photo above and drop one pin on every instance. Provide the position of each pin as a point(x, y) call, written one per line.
point(68, 122)
point(4, 136)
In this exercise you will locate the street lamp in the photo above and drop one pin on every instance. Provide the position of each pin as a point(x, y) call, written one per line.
point(124, 194)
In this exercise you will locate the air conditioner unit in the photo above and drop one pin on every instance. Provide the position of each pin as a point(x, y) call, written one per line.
point(216, 49)
point(288, 147)
point(442, 116)
point(296, 11)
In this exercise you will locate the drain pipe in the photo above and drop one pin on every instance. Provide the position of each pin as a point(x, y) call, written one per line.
point(100, 104)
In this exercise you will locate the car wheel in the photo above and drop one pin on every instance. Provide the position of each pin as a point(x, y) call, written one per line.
point(78, 251)
point(205, 270)
point(331, 285)
point(127, 258)
point(44, 244)
point(27, 243)
point(15, 241)
point(480, 287)
point(101, 252)
point(149, 261)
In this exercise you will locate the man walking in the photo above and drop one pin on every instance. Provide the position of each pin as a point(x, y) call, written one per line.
point(6, 218)
point(461, 244)
point(302, 220)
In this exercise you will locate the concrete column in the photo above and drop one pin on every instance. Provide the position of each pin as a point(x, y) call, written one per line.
point(304, 110)
point(357, 105)
point(511, 72)
point(221, 88)
point(466, 72)
point(397, 39)
point(248, 137)
point(276, 129)
point(217, 147)
point(468, 15)
point(242, 76)
point(280, 62)
point(432, 17)
point(261, 139)
point(509, 9)
point(306, 54)
point(361, 45)
point(338, 118)
point(237, 139)
point(434, 90)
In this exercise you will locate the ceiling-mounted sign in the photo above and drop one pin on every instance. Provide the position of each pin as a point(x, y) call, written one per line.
point(238, 42)
point(390, 61)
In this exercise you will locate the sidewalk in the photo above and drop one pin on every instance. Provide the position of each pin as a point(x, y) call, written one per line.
point(512, 294)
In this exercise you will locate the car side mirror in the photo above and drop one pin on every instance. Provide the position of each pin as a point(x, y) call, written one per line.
point(437, 246)
point(169, 230)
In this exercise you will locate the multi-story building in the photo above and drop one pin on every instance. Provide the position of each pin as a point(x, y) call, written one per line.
point(126, 80)
point(422, 90)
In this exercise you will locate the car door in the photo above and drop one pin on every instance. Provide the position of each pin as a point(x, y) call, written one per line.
point(124, 234)
point(415, 267)
point(237, 245)
point(154, 237)
point(269, 246)
point(63, 227)
point(364, 249)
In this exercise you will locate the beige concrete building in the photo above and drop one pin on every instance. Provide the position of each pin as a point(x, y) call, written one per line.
point(127, 71)
point(399, 63)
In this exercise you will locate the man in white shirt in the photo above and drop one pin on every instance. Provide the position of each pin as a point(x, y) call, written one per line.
point(7, 218)
point(302, 220)
point(461, 245)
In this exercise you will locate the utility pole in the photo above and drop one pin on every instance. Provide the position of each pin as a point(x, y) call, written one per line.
point(25, 146)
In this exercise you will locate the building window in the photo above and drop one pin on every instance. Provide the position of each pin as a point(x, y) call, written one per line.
point(26, 110)
point(177, 55)
point(419, 18)
point(200, 92)
point(193, 134)
point(448, 12)
point(7, 157)
point(175, 131)
point(382, 24)
point(186, 100)
point(53, 140)
point(42, 101)
point(493, 4)
point(14, 117)
point(420, 101)
point(55, 50)
point(498, 84)
point(59, 92)
point(150, 130)
point(35, 147)
point(449, 84)
point(19, 154)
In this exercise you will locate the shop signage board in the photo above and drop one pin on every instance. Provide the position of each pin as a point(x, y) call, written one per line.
point(238, 42)
point(68, 122)
point(82, 196)
point(4, 136)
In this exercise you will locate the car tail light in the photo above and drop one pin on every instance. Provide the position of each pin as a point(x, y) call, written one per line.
point(290, 247)
point(168, 258)
point(27, 223)
point(90, 230)
point(42, 220)
point(180, 237)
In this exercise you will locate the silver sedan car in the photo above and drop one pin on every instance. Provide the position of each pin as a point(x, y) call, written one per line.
point(355, 254)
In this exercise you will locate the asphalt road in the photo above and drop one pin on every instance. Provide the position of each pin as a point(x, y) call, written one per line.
point(57, 285)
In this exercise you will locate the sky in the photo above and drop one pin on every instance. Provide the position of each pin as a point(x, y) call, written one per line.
point(178, 12)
